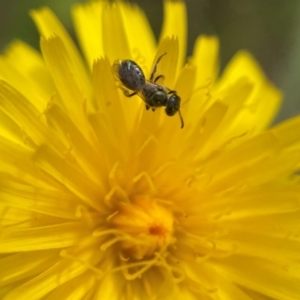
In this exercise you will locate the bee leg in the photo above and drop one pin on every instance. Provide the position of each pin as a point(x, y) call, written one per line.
point(153, 109)
point(127, 94)
point(171, 92)
point(181, 119)
point(155, 67)
point(147, 107)
point(159, 77)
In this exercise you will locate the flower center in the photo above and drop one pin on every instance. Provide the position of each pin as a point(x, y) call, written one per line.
point(148, 226)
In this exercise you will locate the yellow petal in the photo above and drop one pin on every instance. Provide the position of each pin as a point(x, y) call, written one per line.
point(262, 276)
point(32, 263)
point(265, 99)
point(23, 113)
point(14, 240)
point(73, 92)
point(12, 155)
point(48, 281)
point(206, 58)
point(75, 180)
point(115, 43)
point(175, 25)
point(49, 26)
point(80, 153)
point(79, 288)
point(24, 69)
point(87, 21)
point(139, 35)
point(22, 196)
point(169, 47)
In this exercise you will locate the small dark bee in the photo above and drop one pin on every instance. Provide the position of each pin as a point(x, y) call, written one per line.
point(154, 95)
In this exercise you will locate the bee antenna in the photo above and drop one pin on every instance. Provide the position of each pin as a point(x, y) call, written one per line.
point(181, 119)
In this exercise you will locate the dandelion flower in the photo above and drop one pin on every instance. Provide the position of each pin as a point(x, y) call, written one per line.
point(103, 199)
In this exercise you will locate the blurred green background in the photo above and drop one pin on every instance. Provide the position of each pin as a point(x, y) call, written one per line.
point(270, 29)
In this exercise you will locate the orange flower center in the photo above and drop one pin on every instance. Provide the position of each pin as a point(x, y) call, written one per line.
point(148, 225)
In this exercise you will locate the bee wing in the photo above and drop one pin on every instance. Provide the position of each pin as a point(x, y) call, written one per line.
point(130, 74)
point(142, 96)
point(116, 67)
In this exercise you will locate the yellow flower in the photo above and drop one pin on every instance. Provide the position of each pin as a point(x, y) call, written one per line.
point(103, 199)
